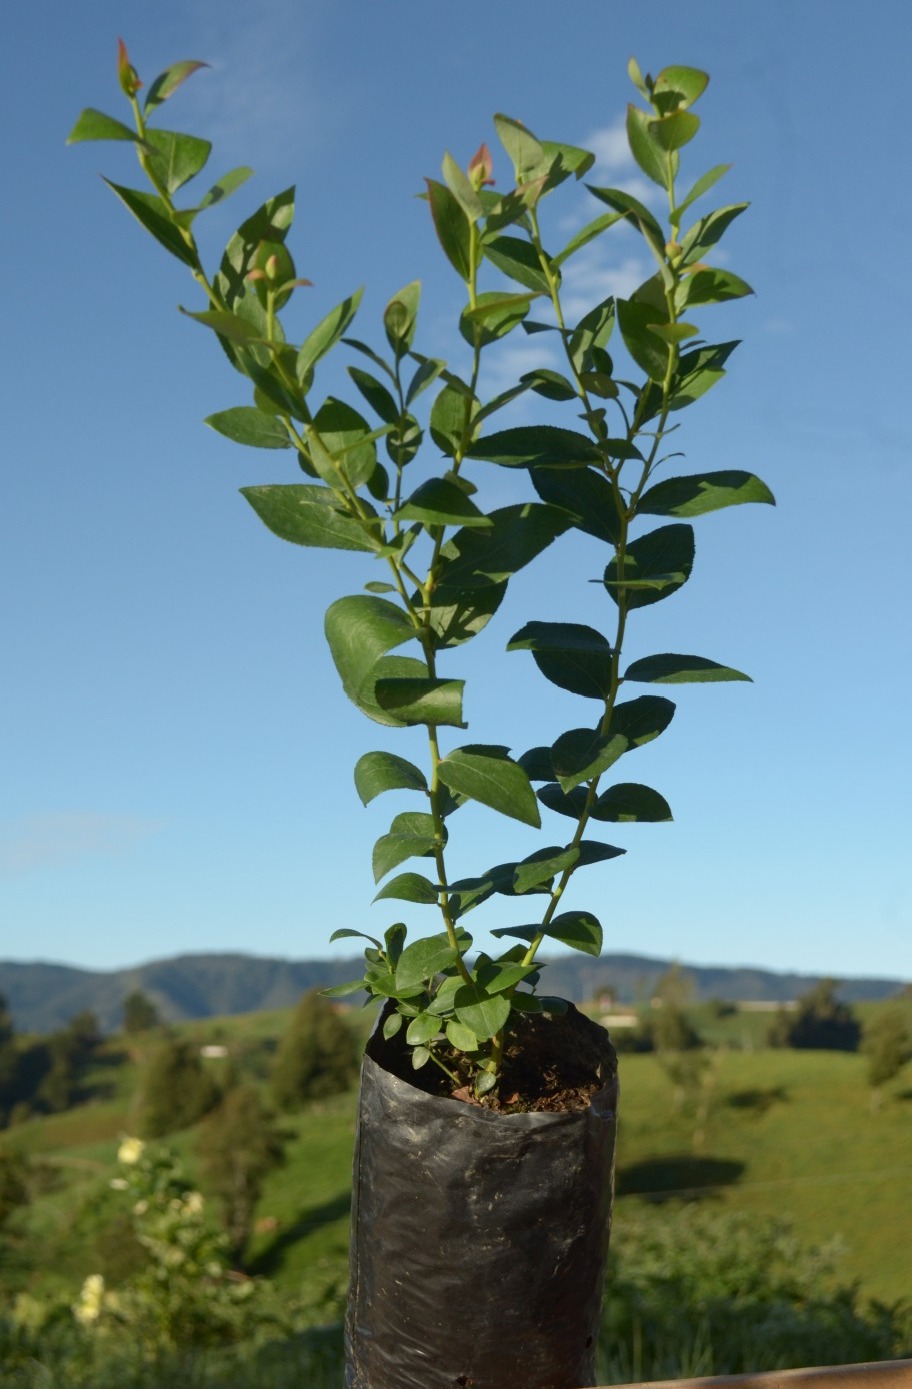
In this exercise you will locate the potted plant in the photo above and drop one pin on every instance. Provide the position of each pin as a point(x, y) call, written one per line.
point(486, 1130)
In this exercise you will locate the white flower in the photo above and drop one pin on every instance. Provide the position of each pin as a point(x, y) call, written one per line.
point(88, 1309)
point(130, 1151)
point(193, 1203)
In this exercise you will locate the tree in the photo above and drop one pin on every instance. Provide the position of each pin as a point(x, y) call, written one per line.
point(887, 1043)
point(139, 1013)
point(177, 1090)
point(317, 1056)
point(821, 1022)
point(239, 1144)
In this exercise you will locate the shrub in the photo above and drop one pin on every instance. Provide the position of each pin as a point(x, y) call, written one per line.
point(177, 1090)
point(318, 1055)
point(820, 1022)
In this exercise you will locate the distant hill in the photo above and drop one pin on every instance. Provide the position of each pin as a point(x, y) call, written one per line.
point(43, 997)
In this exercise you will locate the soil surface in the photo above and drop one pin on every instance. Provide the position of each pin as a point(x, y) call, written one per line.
point(552, 1063)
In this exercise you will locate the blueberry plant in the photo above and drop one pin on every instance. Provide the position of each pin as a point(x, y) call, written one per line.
point(401, 487)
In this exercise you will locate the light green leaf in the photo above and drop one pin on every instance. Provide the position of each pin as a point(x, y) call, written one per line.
point(226, 185)
point(353, 986)
point(526, 153)
point(628, 802)
point(327, 333)
point(399, 318)
point(392, 1025)
point(645, 146)
point(656, 565)
point(675, 130)
point(376, 772)
point(702, 185)
point(699, 493)
point(460, 1036)
point(462, 189)
point(307, 515)
point(485, 773)
point(177, 158)
point(453, 230)
point(438, 502)
point(247, 425)
point(588, 233)
point(484, 1015)
point(519, 260)
point(421, 700)
point(452, 421)
point(411, 835)
point(422, 1030)
point(494, 316)
point(542, 866)
point(346, 933)
point(360, 630)
point(424, 958)
point(167, 82)
point(708, 231)
point(678, 87)
point(151, 213)
point(95, 125)
point(669, 669)
point(631, 208)
point(409, 887)
point(710, 286)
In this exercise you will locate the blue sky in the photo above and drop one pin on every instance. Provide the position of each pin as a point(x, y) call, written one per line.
point(175, 752)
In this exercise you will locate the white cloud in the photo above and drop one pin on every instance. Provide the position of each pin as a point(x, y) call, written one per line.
point(594, 273)
point(33, 842)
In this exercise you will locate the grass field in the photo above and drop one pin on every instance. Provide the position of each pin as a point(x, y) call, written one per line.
point(773, 1133)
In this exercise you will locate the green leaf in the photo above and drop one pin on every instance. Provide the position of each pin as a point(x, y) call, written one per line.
point(708, 231)
point(462, 189)
point(587, 233)
point(429, 368)
point(569, 654)
point(247, 425)
point(269, 223)
point(484, 1015)
point(229, 183)
point(451, 413)
point(645, 146)
point(376, 394)
point(631, 208)
point(346, 933)
point(453, 230)
point(570, 803)
point(409, 887)
point(392, 1025)
point(167, 82)
point(519, 260)
point(675, 130)
point(537, 765)
point(485, 773)
point(151, 213)
point(587, 496)
point(307, 515)
point(227, 325)
point(494, 316)
point(528, 446)
point(422, 1029)
point(422, 701)
point(564, 161)
point(347, 438)
point(376, 772)
point(460, 1036)
point(399, 318)
point(678, 87)
point(590, 851)
point(584, 753)
point(710, 287)
point(628, 802)
point(438, 502)
point(669, 669)
point(420, 1057)
point(642, 719)
point(526, 153)
point(655, 566)
point(177, 158)
point(455, 617)
point(353, 986)
point(95, 125)
point(702, 185)
point(411, 835)
point(542, 866)
point(592, 332)
point(550, 384)
point(424, 958)
point(499, 976)
point(636, 321)
point(327, 333)
point(579, 930)
point(699, 493)
point(360, 630)
point(477, 558)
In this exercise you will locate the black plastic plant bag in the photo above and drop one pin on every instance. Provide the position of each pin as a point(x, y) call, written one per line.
point(479, 1239)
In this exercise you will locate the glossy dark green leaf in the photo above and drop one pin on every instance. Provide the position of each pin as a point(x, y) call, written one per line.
point(307, 515)
point(411, 835)
point(422, 701)
point(528, 446)
point(570, 803)
point(628, 803)
point(482, 1013)
point(327, 333)
point(457, 616)
point(177, 158)
point(591, 333)
point(542, 866)
point(151, 213)
point(656, 565)
point(451, 413)
point(591, 851)
point(708, 231)
point(519, 260)
point(645, 147)
point(641, 720)
point(452, 227)
point(526, 1003)
point(429, 368)
point(477, 558)
point(360, 630)
point(441, 503)
point(636, 321)
point(494, 316)
point(569, 654)
point(246, 425)
point(698, 371)
point(424, 958)
point(404, 441)
point(376, 394)
point(550, 384)
point(698, 493)
point(669, 669)
point(346, 933)
point(376, 772)
point(579, 930)
point(485, 773)
point(409, 887)
point(585, 495)
point(537, 764)
point(95, 125)
point(584, 753)
point(631, 208)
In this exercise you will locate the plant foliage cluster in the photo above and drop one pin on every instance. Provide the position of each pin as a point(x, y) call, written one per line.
point(44, 1075)
point(631, 365)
